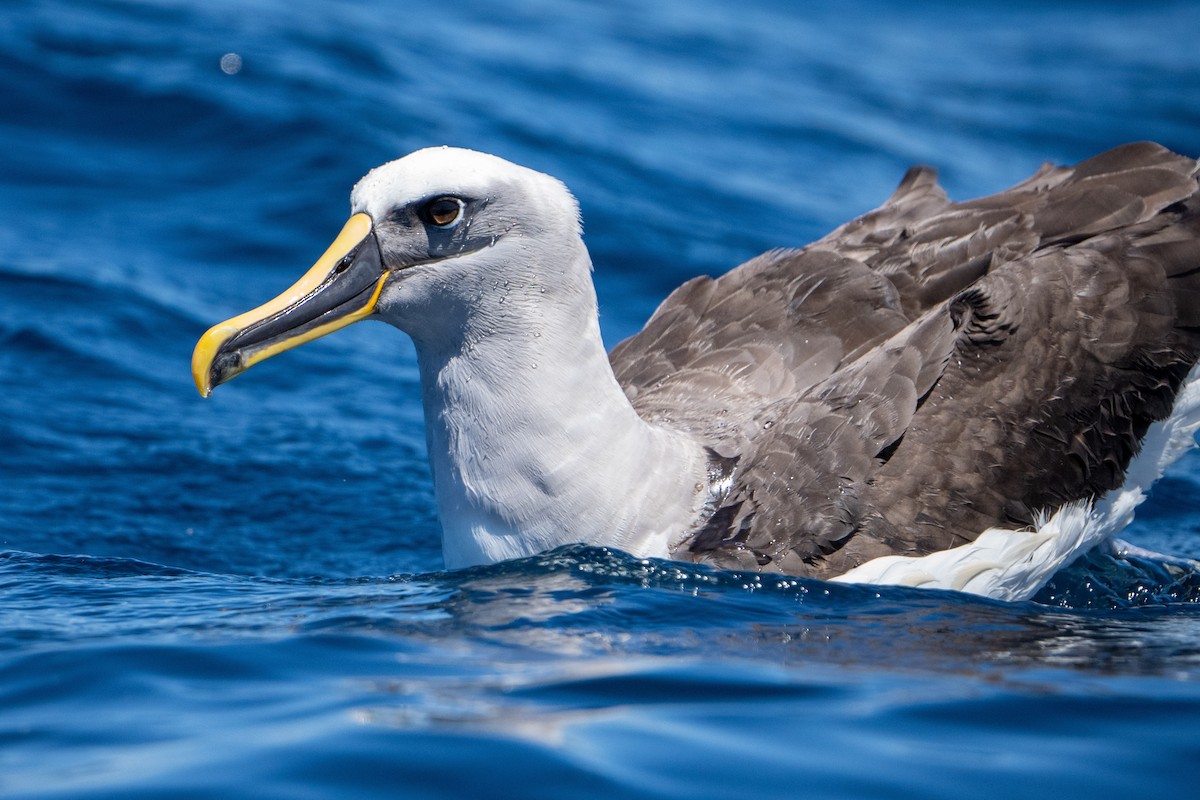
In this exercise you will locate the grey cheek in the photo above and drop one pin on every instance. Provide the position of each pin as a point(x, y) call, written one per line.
point(457, 240)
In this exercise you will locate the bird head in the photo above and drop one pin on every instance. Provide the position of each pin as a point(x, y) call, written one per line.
point(431, 237)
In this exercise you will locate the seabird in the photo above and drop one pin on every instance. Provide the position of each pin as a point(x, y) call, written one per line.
point(953, 395)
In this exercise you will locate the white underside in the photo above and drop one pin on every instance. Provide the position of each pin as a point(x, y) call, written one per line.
point(1014, 565)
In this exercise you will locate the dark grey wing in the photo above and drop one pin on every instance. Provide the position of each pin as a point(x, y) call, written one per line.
point(931, 256)
point(802, 488)
point(1051, 324)
point(1064, 360)
point(718, 351)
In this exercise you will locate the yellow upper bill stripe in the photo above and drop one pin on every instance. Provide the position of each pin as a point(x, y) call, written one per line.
point(355, 230)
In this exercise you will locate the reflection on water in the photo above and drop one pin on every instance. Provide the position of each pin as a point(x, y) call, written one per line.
point(593, 603)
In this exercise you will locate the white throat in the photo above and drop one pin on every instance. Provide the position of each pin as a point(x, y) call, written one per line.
point(533, 443)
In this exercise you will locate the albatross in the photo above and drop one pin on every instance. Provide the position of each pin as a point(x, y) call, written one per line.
point(956, 395)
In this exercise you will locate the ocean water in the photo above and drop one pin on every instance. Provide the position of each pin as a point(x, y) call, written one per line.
point(244, 597)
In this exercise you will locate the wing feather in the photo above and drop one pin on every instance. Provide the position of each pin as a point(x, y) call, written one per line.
point(932, 369)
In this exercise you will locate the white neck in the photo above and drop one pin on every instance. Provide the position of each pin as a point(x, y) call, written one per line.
point(533, 443)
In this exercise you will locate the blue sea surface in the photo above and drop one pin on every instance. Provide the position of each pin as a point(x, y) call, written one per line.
point(244, 597)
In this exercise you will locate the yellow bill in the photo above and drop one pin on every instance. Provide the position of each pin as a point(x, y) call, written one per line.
point(341, 288)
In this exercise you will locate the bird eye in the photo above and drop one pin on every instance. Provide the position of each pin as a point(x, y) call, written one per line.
point(442, 211)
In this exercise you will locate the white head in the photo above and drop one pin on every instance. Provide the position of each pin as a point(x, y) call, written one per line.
point(457, 227)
